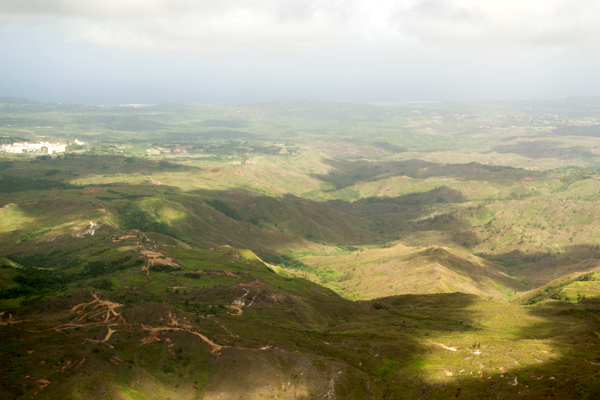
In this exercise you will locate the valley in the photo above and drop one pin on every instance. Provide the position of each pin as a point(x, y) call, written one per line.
point(301, 250)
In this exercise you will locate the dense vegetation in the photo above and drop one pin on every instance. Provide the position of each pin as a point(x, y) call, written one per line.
point(132, 216)
point(12, 185)
point(34, 279)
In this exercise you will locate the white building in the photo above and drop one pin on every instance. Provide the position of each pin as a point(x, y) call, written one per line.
point(19, 147)
point(79, 142)
point(57, 148)
point(32, 146)
point(10, 148)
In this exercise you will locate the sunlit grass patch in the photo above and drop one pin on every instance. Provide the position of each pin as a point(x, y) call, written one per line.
point(12, 218)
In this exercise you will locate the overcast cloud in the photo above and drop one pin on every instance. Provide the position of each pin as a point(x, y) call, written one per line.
point(360, 40)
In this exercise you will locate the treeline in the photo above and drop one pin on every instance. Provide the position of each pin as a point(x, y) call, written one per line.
point(34, 280)
point(46, 261)
point(132, 216)
point(10, 184)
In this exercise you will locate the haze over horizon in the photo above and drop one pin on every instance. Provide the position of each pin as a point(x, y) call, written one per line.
point(117, 52)
point(327, 199)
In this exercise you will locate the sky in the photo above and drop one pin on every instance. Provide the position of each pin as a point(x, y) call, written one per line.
point(229, 51)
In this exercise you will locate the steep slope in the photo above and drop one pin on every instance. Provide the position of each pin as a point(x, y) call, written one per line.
point(406, 270)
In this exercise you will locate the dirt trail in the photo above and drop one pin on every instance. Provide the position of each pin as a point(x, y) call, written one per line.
point(227, 273)
point(224, 327)
point(239, 303)
point(10, 320)
point(215, 348)
point(255, 283)
point(154, 257)
point(97, 309)
point(108, 335)
point(174, 288)
point(443, 346)
point(103, 313)
point(146, 269)
point(123, 238)
point(237, 308)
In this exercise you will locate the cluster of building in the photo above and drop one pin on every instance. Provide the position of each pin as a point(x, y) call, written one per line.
point(51, 148)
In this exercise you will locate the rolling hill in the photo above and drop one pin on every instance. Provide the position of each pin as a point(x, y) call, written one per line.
point(300, 250)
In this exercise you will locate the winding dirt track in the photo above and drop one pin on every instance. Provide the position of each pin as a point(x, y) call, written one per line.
point(103, 313)
point(10, 320)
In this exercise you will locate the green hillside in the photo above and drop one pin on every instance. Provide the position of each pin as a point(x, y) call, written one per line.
point(301, 250)
point(184, 322)
point(375, 272)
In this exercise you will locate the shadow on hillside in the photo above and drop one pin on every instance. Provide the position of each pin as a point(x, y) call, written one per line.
point(542, 267)
point(348, 173)
point(387, 335)
point(568, 370)
point(369, 220)
point(44, 172)
point(544, 149)
point(242, 218)
point(592, 131)
point(415, 215)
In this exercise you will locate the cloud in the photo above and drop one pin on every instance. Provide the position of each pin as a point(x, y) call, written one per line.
point(386, 25)
point(567, 24)
point(185, 24)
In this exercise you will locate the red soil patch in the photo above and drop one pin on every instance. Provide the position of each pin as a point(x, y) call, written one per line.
point(237, 308)
point(123, 238)
point(93, 190)
point(173, 321)
point(116, 360)
point(72, 364)
point(153, 258)
point(150, 339)
point(43, 383)
point(255, 283)
point(174, 288)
